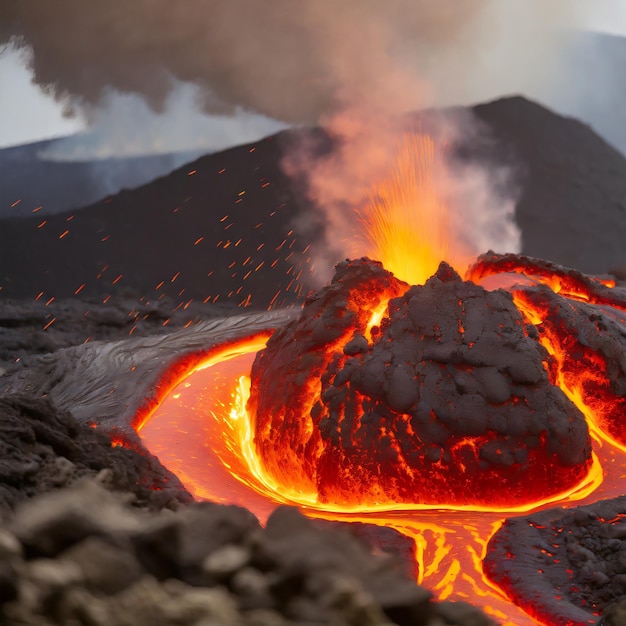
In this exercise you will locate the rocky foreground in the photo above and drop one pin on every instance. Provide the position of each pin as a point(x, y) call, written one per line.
point(84, 555)
point(93, 533)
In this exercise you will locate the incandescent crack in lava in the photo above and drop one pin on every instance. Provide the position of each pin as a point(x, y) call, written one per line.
point(448, 401)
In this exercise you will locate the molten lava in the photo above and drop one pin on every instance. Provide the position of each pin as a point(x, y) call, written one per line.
point(221, 462)
point(431, 409)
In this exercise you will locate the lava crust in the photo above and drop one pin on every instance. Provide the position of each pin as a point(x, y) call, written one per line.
point(581, 320)
point(563, 566)
point(447, 402)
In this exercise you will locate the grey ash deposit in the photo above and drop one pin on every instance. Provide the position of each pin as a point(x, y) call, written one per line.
point(37, 327)
point(449, 402)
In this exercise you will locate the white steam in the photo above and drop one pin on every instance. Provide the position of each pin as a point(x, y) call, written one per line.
point(123, 125)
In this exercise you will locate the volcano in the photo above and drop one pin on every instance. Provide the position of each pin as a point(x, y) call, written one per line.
point(435, 409)
point(179, 234)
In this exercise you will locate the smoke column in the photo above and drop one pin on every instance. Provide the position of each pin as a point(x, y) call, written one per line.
point(296, 63)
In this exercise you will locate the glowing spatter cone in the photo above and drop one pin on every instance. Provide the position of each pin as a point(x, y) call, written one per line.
point(406, 222)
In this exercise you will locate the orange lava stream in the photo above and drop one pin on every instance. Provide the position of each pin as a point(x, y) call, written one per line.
point(572, 382)
point(568, 283)
point(202, 433)
point(242, 432)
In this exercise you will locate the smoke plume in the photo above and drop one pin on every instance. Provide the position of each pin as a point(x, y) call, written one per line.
point(365, 153)
point(124, 126)
point(292, 62)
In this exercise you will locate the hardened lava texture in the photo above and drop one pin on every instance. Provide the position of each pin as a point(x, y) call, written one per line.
point(447, 401)
point(582, 320)
point(564, 566)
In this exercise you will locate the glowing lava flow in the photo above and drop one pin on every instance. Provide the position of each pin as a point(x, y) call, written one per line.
point(450, 403)
point(201, 431)
point(581, 373)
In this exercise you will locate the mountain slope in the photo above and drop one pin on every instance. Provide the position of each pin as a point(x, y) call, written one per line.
point(29, 181)
point(572, 206)
point(205, 230)
point(224, 225)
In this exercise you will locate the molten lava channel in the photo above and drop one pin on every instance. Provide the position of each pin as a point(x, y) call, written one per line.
point(432, 409)
point(223, 458)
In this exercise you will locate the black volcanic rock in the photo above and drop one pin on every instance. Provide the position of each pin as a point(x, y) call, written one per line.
point(29, 328)
point(592, 342)
point(449, 403)
point(224, 226)
point(564, 566)
point(572, 203)
point(44, 449)
point(216, 566)
point(583, 321)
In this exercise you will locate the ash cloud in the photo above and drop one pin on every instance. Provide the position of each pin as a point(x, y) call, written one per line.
point(292, 63)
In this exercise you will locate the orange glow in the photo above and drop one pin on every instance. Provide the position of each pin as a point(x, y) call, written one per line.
point(286, 430)
point(241, 429)
point(220, 462)
point(202, 432)
point(405, 224)
point(200, 426)
point(568, 283)
point(581, 373)
point(195, 361)
point(376, 318)
point(356, 453)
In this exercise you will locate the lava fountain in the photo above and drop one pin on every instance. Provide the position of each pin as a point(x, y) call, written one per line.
point(433, 409)
point(410, 243)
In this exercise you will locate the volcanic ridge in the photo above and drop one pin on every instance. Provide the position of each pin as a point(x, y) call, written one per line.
point(225, 227)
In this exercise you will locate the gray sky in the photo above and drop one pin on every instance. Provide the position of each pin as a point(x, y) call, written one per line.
point(27, 114)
